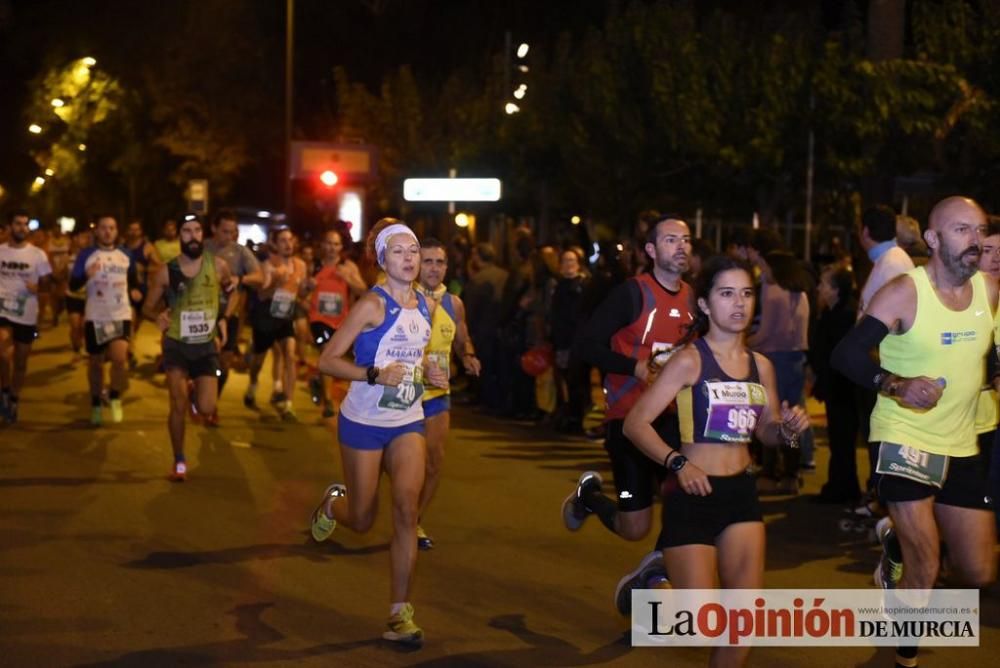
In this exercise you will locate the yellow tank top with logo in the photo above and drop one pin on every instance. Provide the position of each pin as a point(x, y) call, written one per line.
point(941, 343)
point(443, 328)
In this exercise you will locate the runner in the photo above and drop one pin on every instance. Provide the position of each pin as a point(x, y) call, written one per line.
point(934, 329)
point(383, 426)
point(58, 252)
point(726, 395)
point(243, 266)
point(192, 285)
point(168, 246)
point(332, 291)
point(628, 337)
point(108, 273)
point(76, 299)
point(448, 331)
point(24, 273)
point(271, 319)
point(146, 260)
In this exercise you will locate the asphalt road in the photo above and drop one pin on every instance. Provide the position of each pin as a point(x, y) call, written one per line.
point(105, 562)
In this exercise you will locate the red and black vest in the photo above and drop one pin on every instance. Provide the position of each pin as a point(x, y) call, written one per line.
point(663, 320)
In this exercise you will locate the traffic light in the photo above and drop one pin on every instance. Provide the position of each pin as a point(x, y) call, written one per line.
point(328, 178)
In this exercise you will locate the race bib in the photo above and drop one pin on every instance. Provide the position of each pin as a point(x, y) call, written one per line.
point(108, 331)
point(443, 360)
point(14, 305)
point(195, 326)
point(331, 303)
point(733, 410)
point(912, 463)
point(282, 304)
point(404, 395)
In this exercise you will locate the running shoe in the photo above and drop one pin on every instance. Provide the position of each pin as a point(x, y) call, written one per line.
point(403, 630)
point(316, 390)
point(95, 416)
point(277, 398)
point(650, 571)
point(288, 413)
point(117, 415)
point(890, 565)
point(179, 472)
point(424, 542)
point(250, 401)
point(321, 525)
point(574, 510)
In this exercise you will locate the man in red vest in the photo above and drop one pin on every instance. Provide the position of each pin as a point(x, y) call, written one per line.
point(629, 338)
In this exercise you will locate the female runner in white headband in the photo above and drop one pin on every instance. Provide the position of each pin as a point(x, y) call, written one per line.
point(381, 420)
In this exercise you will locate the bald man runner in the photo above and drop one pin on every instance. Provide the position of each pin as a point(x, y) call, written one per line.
point(934, 328)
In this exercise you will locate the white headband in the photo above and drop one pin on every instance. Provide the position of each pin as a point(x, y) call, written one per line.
point(383, 238)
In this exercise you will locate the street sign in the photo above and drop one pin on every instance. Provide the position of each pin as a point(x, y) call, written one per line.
point(311, 158)
point(451, 190)
point(197, 195)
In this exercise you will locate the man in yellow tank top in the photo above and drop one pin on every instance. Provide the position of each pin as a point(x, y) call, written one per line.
point(448, 331)
point(934, 330)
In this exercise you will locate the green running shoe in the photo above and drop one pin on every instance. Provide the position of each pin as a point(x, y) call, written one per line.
point(403, 630)
point(322, 526)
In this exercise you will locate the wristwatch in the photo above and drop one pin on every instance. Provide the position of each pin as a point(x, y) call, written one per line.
point(372, 373)
point(677, 463)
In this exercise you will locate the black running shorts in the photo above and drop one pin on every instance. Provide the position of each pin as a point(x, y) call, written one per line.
point(195, 359)
point(20, 333)
point(90, 336)
point(966, 486)
point(637, 477)
point(689, 519)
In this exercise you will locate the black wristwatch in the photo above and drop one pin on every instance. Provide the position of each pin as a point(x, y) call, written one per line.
point(677, 463)
point(372, 374)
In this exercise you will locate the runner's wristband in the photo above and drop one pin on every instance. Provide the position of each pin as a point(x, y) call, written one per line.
point(852, 356)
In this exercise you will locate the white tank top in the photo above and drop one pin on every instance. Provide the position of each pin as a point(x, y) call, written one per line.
point(402, 337)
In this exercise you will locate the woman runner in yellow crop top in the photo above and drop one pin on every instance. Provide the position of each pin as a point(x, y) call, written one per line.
point(712, 523)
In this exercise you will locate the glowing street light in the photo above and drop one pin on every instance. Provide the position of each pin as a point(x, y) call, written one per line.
point(50, 172)
point(58, 102)
point(521, 90)
point(462, 220)
point(329, 178)
point(575, 220)
point(511, 108)
point(37, 184)
point(522, 50)
point(82, 147)
point(35, 129)
point(89, 62)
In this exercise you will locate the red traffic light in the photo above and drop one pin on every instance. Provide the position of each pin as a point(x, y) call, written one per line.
point(328, 178)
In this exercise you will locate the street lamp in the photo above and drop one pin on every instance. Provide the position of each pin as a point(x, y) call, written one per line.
point(462, 220)
point(522, 50)
point(35, 129)
point(58, 102)
point(511, 108)
point(50, 172)
point(575, 220)
point(82, 147)
point(89, 62)
point(521, 90)
point(329, 178)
